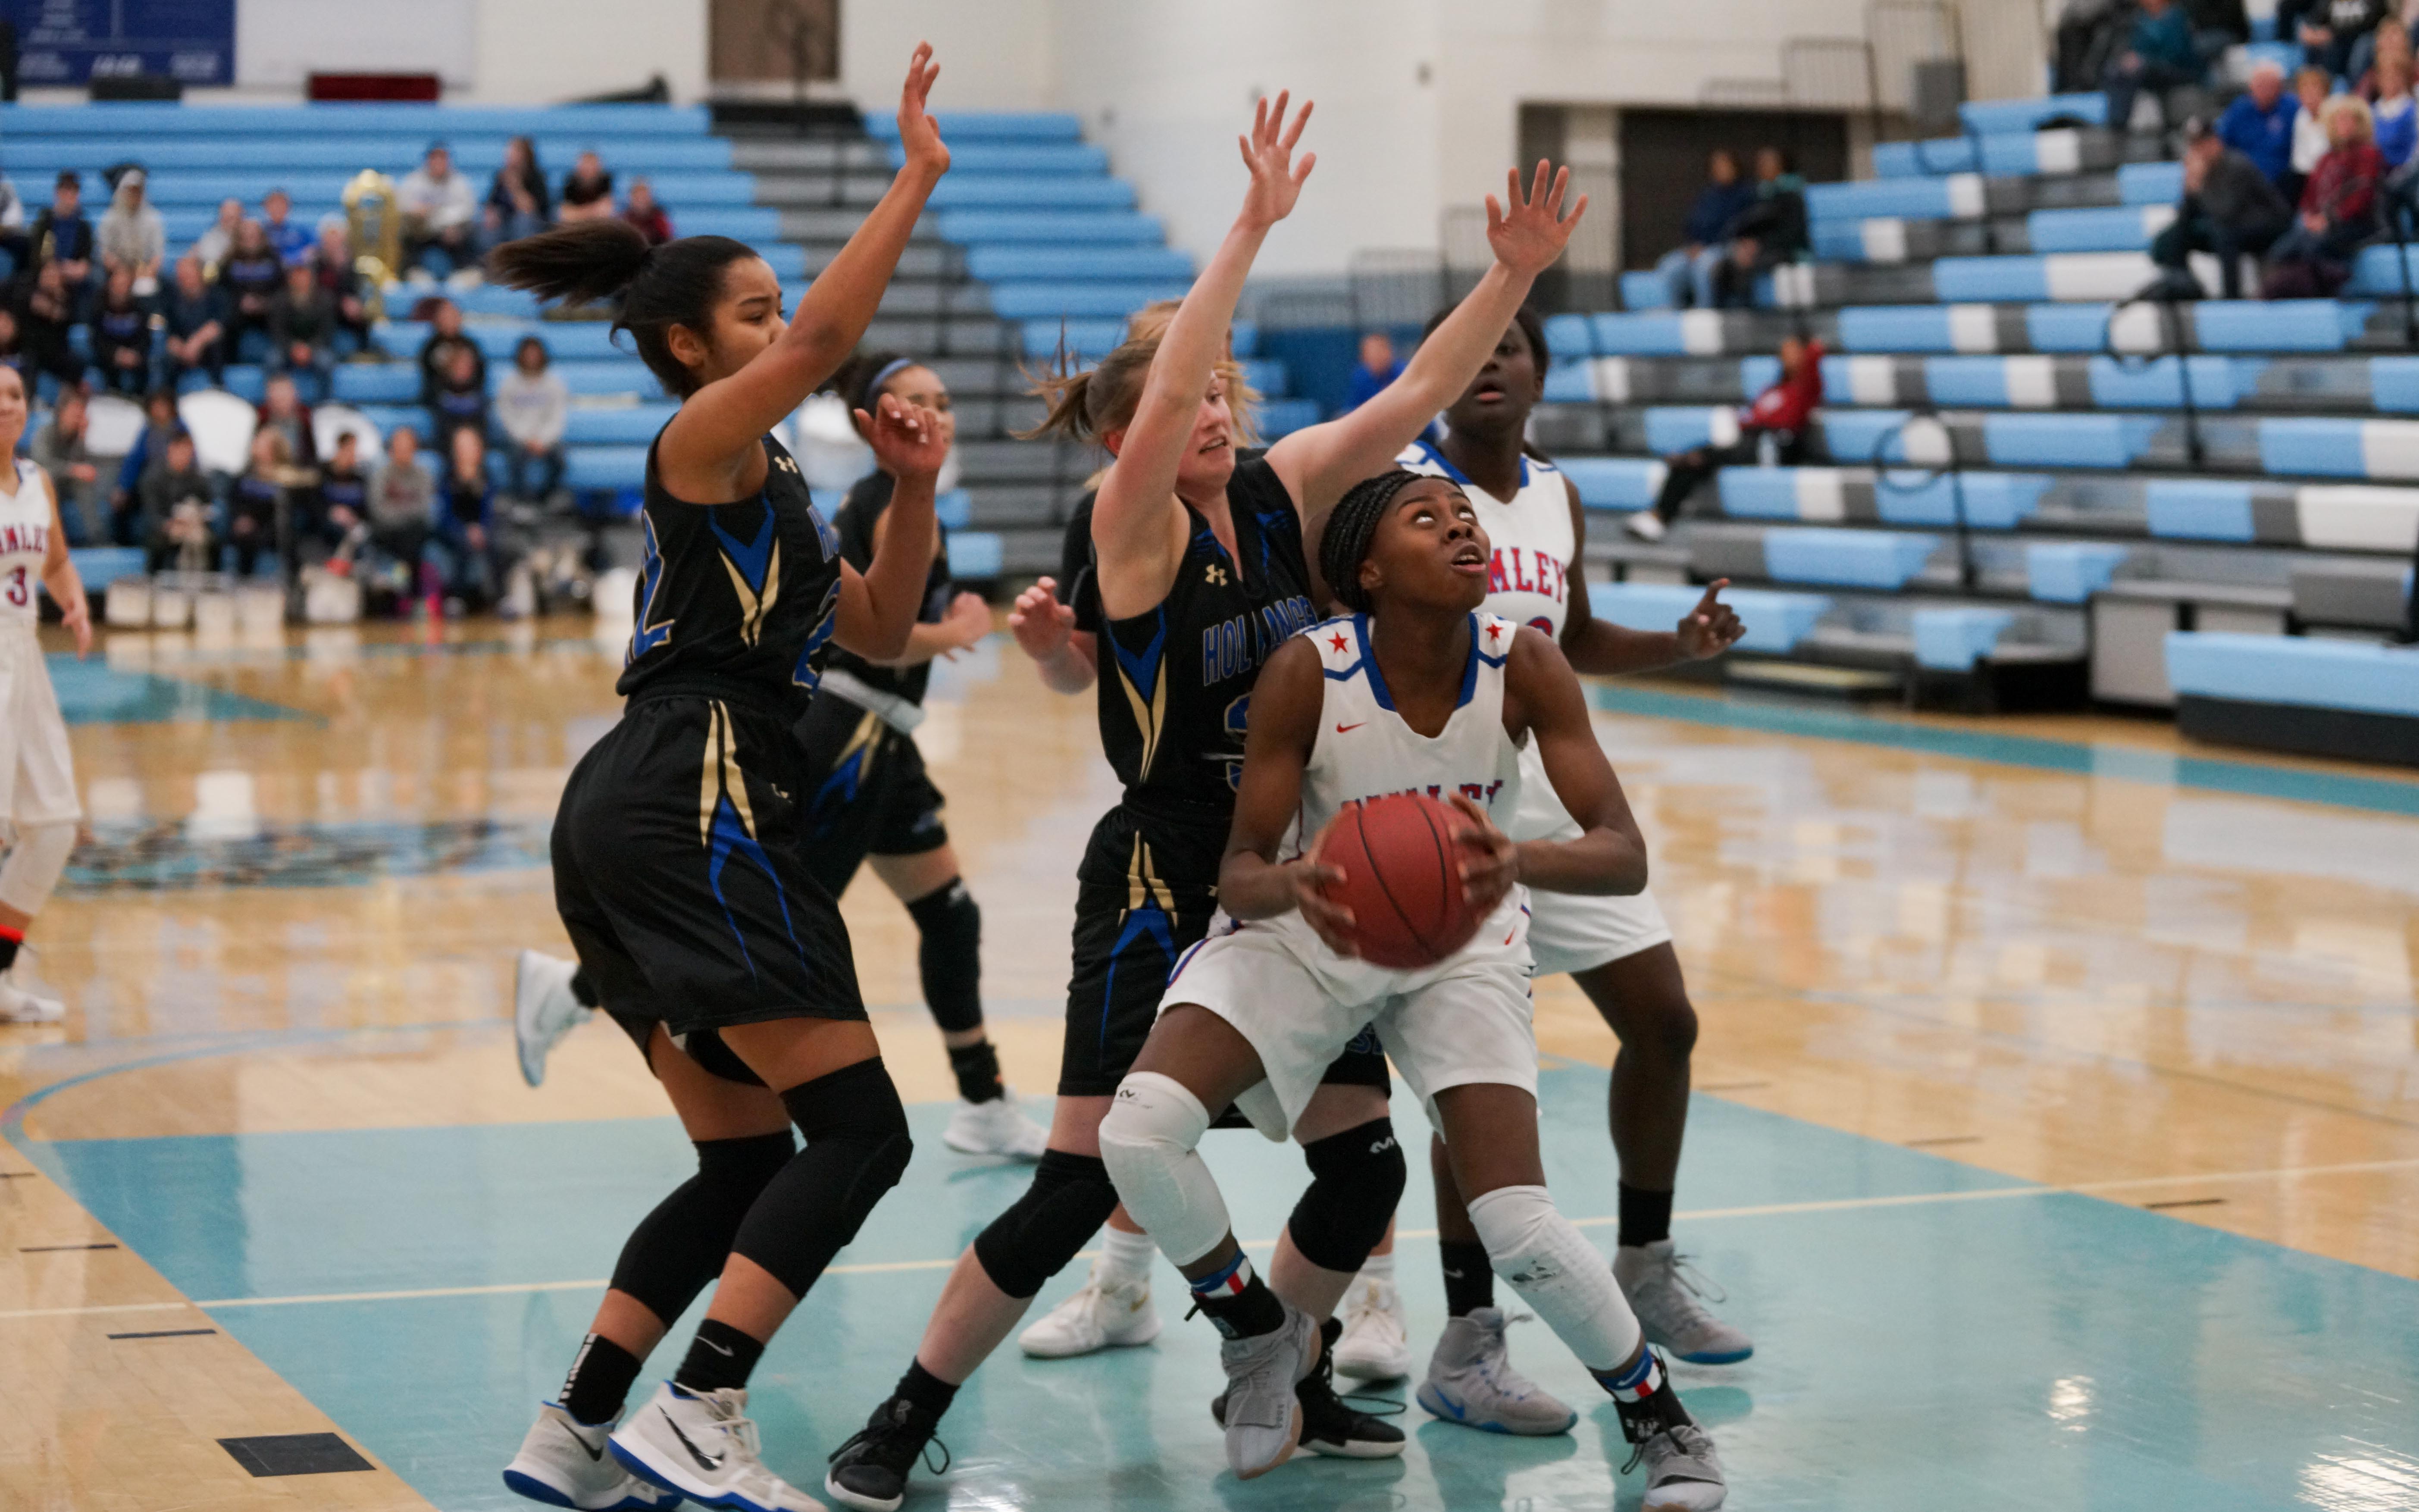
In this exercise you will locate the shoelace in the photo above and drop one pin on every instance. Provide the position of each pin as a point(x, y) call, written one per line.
point(1684, 1275)
point(873, 1434)
point(1501, 1353)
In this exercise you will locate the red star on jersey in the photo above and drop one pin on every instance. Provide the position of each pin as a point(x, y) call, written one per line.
point(1492, 631)
point(1338, 641)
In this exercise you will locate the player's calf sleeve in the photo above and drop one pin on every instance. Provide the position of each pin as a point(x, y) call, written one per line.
point(1070, 1199)
point(1356, 1180)
point(1561, 1276)
point(856, 1150)
point(680, 1248)
point(36, 862)
point(1148, 1143)
point(950, 953)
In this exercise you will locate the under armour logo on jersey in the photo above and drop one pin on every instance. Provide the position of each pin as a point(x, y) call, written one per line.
point(1216, 575)
point(785, 465)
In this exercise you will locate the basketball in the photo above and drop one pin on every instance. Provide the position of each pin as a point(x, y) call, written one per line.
point(1401, 879)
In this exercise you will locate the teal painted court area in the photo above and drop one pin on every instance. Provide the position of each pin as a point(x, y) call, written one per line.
point(1930, 1335)
point(91, 691)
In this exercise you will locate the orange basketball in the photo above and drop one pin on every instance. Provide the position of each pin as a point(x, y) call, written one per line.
point(1402, 879)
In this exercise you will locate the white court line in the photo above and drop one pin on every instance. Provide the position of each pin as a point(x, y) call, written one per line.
point(1767, 1210)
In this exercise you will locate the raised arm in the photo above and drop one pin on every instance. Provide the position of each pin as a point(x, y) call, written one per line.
point(877, 608)
point(1611, 858)
point(1285, 704)
point(1606, 649)
point(1137, 534)
point(725, 418)
point(1319, 462)
point(60, 576)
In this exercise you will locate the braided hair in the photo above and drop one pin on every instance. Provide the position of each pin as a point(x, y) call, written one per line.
point(1352, 525)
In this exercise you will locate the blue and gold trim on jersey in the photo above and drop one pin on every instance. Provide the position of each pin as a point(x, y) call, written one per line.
point(648, 632)
point(1149, 914)
point(727, 826)
point(848, 776)
point(807, 672)
point(1143, 675)
point(755, 569)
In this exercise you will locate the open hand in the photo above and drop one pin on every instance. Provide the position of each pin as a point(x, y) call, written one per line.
point(1268, 152)
point(969, 620)
point(907, 440)
point(1712, 628)
point(1327, 919)
point(919, 136)
point(1039, 623)
point(1532, 234)
point(1489, 861)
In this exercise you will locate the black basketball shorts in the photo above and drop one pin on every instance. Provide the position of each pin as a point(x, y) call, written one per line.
point(866, 792)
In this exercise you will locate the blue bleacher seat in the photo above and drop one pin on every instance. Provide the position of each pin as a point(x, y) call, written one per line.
point(605, 467)
point(2322, 447)
point(1676, 428)
point(976, 556)
point(1008, 190)
point(100, 566)
point(18, 123)
point(1613, 481)
point(1570, 382)
point(1002, 263)
point(1846, 558)
point(2069, 572)
point(972, 126)
point(2067, 441)
point(1270, 381)
point(377, 383)
point(1952, 639)
point(2295, 670)
point(1020, 157)
point(2150, 183)
point(618, 425)
point(1283, 417)
point(1990, 115)
point(1775, 621)
point(989, 227)
point(1087, 340)
point(1244, 338)
point(1644, 291)
point(952, 509)
point(1991, 501)
point(1045, 299)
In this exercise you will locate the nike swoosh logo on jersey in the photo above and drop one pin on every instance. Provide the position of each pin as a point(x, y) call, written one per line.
point(1348, 729)
point(704, 1460)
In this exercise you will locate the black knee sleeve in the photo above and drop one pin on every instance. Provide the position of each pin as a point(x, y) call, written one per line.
point(856, 1150)
point(1070, 1199)
point(950, 955)
point(1356, 1179)
point(679, 1248)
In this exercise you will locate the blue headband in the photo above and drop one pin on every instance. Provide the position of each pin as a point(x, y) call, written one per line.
point(872, 389)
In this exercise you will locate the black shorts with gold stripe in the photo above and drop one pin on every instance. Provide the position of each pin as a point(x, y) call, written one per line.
point(866, 790)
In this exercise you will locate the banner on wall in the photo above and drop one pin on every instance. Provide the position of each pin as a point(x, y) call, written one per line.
point(75, 42)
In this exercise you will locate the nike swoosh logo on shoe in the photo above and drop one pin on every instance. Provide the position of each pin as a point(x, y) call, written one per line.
point(704, 1460)
point(596, 1453)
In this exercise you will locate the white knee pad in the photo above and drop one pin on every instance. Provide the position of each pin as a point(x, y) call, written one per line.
point(1148, 1144)
point(34, 864)
point(1558, 1272)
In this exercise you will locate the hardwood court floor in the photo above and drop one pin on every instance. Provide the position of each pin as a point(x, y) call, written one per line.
point(2057, 1133)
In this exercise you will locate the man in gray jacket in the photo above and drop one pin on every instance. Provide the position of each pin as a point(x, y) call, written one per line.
point(2229, 208)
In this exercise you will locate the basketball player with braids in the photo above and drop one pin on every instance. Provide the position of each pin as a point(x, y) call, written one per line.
point(679, 861)
point(1416, 690)
point(1201, 576)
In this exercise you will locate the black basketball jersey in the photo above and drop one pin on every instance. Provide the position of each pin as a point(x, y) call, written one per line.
point(859, 514)
point(1176, 683)
point(738, 597)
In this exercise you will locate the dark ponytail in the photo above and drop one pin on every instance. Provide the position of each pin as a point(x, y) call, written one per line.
point(653, 289)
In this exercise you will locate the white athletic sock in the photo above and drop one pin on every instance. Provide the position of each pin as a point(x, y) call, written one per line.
point(1378, 1268)
point(1147, 1143)
point(1125, 1260)
point(1561, 1275)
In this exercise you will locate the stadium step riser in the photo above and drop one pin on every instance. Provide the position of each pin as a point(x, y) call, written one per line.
point(2303, 384)
point(2212, 325)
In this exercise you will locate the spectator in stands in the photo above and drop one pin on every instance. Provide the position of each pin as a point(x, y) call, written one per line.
point(533, 406)
point(195, 316)
point(2329, 30)
point(518, 203)
point(332, 264)
point(282, 410)
point(252, 275)
point(257, 500)
point(132, 237)
point(587, 191)
point(402, 503)
point(61, 448)
point(2312, 88)
point(344, 496)
point(459, 401)
point(642, 211)
point(174, 505)
point(2229, 208)
point(2340, 209)
point(1377, 367)
point(303, 330)
point(2088, 32)
point(2391, 37)
point(466, 527)
point(2397, 125)
point(437, 353)
point(289, 237)
point(2259, 124)
point(161, 425)
point(439, 213)
point(1688, 270)
point(213, 245)
point(12, 350)
point(62, 236)
point(1770, 231)
point(12, 227)
point(1777, 420)
point(121, 336)
point(2159, 55)
point(45, 314)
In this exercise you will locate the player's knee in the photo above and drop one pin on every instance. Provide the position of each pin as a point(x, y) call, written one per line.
point(37, 860)
point(855, 1125)
point(678, 1248)
point(737, 1171)
point(1517, 1225)
point(948, 925)
point(1357, 1180)
point(1153, 1122)
point(1070, 1199)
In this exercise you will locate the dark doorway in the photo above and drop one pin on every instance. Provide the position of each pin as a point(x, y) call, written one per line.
point(1663, 163)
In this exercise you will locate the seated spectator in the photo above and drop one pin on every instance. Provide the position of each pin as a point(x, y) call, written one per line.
point(173, 511)
point(2312, 89)
point(251, 276)
point(289, 239)
point(2329, 30)
point(332, 263)
point(1777, 420)
point(12, 350)
point(1689, 269)
point(161, 425)
point(45, 314)
point(2340, 209)
point(440, 214)
point(2391, 37)
point(213, 245)
point(282, 410)
point(1377, 367)
point(518, 203)
point(652, 221)
point(2159, 55)
point(2229, 208)
point(437, 353)
point(2398, 125)
point(132, 237)
point(61, 448)
point(1770, 231)
point(467, 536)
point(402, 506)
point(2217, 24)
point(121, 336)
point(587, 191)
point(2259, 124)
point(195, 319)
point(62, 236)
point(258, 503)
point(12, 228)
point(344, 498)
point(2088, 32)
point(533, 405)
point(303, 330)
point(459, 401)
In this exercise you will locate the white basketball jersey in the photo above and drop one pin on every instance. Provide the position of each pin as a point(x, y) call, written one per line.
point(1365, 750)
point(24, 546)
point(1532, 536)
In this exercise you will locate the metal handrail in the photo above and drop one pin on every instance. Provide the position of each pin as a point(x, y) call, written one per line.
point(2172, 343)
point(1968, 573)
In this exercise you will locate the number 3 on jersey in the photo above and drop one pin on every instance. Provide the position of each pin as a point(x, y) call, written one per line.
point(17, 594)
point(1237, 722)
